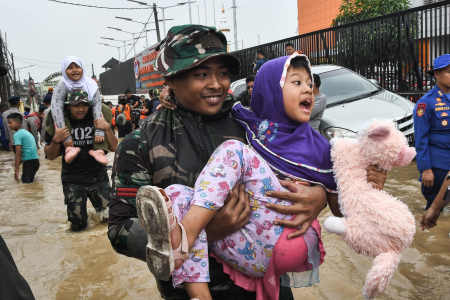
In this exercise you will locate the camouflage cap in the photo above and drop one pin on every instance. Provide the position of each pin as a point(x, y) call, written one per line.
point(76, 96)
point(188, 46)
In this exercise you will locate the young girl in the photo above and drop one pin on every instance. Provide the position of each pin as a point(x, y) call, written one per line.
point(260, 253)
point(72, 70)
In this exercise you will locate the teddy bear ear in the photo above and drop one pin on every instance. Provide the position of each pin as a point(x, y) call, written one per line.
point(379, 133)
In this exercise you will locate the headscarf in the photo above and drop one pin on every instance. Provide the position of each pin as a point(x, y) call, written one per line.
point(85, 83)
point(290, 148)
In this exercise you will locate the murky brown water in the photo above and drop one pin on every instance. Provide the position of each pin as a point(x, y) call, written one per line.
point(59, 264)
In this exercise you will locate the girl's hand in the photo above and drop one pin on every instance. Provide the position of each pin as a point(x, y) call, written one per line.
point(163, 98)
point(307, 203)
point(376, 177)
point(99, 139)
point(101, 124)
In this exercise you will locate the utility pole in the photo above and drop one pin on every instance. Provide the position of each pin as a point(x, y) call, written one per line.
point(206, 19)
point(155, 12)
point(14, 74)
point(4, 93)
point(235, 25)
point(214, 9)
point(190, 13)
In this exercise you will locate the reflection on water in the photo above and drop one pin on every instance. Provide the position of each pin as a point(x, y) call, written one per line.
point(59, 264)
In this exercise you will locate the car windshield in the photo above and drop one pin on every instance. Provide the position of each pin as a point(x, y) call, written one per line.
point(239, 90)
point(341, 85)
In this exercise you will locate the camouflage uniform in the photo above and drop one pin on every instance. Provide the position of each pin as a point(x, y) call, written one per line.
point(75, 197)
point(172, 147)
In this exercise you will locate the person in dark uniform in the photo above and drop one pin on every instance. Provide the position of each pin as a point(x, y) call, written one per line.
point(432, 131)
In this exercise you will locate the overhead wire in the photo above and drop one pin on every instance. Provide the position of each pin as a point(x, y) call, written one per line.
point(104, 7)
point(138, 36)
point(32, 59)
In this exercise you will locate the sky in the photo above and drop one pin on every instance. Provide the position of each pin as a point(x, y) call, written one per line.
point(43, 32)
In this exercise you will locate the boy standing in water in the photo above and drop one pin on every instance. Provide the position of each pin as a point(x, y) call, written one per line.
point(26, 150)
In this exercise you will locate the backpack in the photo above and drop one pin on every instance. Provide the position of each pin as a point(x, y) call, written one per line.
point(37, 121)
point(121, 119)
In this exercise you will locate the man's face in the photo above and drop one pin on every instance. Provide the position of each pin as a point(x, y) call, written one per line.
point(204, 89)
point(13, 124)
point(51, 91)
point(289, 50)
point(260, 56)
point(74, 72)
point(47, 104)
point(128, 95)
point(250, 87)
point(443, 77)
point(79, 111)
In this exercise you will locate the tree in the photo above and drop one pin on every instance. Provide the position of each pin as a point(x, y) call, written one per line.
point(356, 10)
point(372, 47)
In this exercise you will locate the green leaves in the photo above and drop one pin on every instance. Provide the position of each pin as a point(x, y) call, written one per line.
point(356, 10)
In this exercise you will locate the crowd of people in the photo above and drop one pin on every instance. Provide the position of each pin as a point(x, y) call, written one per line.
point(197, 192)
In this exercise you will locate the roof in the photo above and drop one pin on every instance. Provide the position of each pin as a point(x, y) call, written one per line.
point(111, 63)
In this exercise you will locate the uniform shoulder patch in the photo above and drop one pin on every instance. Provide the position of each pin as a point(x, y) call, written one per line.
point(421, 109)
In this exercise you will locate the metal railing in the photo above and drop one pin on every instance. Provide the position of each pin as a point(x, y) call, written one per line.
point(395, 49)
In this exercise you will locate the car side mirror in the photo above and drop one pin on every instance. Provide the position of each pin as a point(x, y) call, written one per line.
point(374, 81)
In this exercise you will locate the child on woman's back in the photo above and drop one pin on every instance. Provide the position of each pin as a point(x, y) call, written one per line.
point(282, 142)
point(72, 70)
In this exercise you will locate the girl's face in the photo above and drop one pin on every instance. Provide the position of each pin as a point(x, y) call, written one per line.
point(74, 72)
point(298, 96)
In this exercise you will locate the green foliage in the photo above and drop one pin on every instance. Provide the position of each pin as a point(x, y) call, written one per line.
point(356, 10)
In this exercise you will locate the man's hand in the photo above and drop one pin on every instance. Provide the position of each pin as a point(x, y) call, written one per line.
point(307, 203)
point(428, 178)
point(233, 215)
point(101, 123)
point(165, 94)
point(61, 135)
point(41, 142)
point(16, 175)
point(429, 218)
point(376, 177)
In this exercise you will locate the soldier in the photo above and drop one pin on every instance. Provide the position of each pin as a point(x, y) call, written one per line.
point(85, 177)
point(14, 103)
point(432, 131)
point(173, 146)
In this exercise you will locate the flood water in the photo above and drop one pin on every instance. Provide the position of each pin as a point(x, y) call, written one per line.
point(59, 264)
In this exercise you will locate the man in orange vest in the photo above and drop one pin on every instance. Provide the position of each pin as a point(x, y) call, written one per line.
point(124, 108)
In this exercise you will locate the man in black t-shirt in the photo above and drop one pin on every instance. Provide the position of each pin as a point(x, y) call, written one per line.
point(84, 177)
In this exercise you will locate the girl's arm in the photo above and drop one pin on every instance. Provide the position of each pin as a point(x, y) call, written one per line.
point(58, 98)
point(97, 111)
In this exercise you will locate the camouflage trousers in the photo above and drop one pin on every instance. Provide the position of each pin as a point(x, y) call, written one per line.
point(76, 195)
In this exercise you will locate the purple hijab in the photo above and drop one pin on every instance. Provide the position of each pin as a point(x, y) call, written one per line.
point(293, 149)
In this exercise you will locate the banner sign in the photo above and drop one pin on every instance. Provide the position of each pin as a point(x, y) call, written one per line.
point(146, 76)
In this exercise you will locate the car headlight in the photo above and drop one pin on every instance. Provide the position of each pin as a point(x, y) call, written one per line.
point(334, 132)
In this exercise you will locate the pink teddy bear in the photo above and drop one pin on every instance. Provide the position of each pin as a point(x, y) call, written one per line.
point(375, 223)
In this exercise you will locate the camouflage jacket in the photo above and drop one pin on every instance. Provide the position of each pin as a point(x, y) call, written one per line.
point(171, 147)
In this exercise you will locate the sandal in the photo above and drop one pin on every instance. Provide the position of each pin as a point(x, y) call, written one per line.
point(158, 220)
